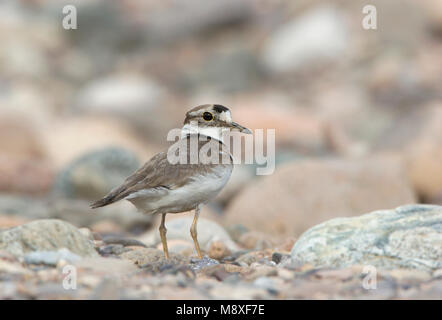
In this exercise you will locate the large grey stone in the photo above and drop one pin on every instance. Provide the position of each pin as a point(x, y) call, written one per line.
point(407, 237)
point(418, 136)
point(95, 173)
point(45, 235)
point(301, 194)
point(318, 36)
point(192, 18)
point(120, 94)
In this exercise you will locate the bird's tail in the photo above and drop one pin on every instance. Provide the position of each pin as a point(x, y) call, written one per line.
point(102, 202)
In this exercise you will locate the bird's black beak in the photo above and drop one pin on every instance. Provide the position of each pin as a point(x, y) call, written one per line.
point(235, 126)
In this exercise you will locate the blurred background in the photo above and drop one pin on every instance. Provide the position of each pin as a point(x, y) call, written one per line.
point(357, 113)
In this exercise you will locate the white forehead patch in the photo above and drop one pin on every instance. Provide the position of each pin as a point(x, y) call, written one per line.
point(225, 116)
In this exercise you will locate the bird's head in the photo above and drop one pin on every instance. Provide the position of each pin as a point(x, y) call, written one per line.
point(210, 120)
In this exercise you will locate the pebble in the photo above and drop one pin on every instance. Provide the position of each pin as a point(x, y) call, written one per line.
point(123, 241)
point(260, 271)
point(255, 240)
point(233, 268)
point(277, 257)
point(7, 267)
point(410, 275)
point(87, 233)
point(437, 273)
point(198, 264)
point(50, 258)
point(247, 259)
point(216, 271)
point(218, 250)
point(266, 283)
point(286, 274)
point(112, 249)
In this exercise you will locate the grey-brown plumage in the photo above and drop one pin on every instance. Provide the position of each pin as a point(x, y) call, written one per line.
point(159, 174)
point(162, 186)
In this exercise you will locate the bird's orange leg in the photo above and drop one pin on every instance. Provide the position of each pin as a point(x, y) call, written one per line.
point(194, 233)
point(163, 232)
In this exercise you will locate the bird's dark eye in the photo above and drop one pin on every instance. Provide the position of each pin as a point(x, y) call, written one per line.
point(207, 116)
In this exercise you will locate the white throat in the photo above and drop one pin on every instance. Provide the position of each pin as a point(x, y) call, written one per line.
point(213, 132)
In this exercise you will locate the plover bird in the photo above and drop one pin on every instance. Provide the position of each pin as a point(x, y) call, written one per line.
point(162, 187)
